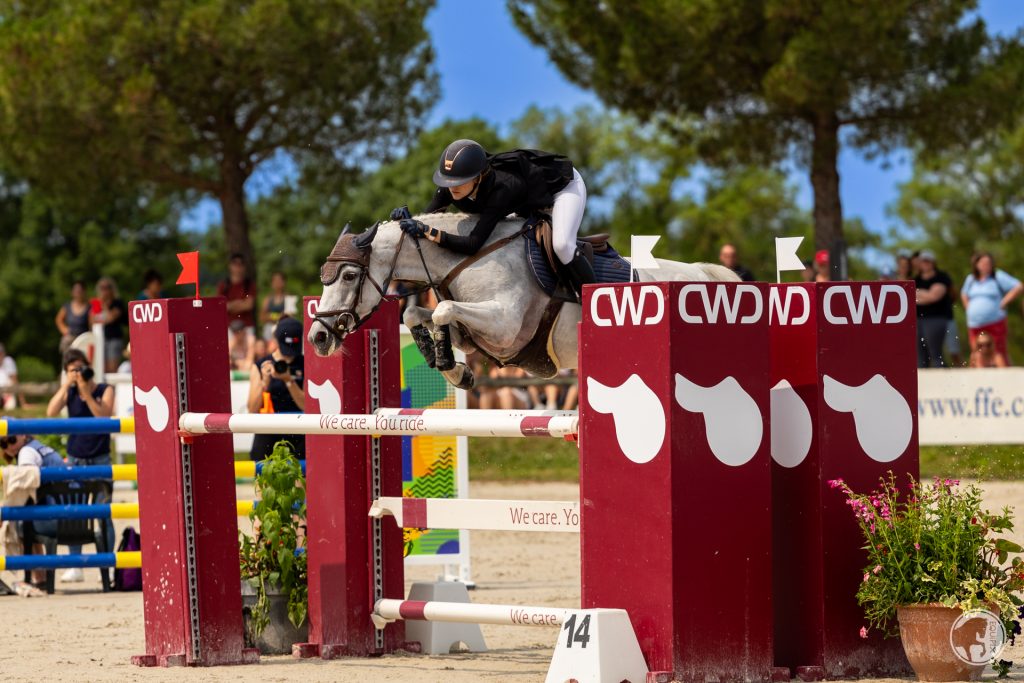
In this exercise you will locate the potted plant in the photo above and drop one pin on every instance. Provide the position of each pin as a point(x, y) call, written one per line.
point(274, 588)
point(938, 575)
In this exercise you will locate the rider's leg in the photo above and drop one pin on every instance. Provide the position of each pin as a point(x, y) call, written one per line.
point(566, 215)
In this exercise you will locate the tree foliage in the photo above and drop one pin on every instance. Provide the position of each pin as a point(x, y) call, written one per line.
point(768, 78)
point(193, 95)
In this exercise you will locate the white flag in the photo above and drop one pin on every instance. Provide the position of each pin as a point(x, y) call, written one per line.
point(785, 255)
point(640, 247)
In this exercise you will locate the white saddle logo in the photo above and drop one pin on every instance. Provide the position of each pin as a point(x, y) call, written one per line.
point(791, 426)
point(732, 420)
point(637, 413)
point(326, 396)
point(156, 407)
point(880, 414)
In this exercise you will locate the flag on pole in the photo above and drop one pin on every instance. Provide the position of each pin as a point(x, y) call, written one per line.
point(640, 247)
point(189, 270)
point(785, 255)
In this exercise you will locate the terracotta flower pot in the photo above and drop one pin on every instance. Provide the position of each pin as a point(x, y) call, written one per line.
point(925, 631)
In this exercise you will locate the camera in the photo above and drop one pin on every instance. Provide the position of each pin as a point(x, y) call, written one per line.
point(88, 373)
point(280, 367)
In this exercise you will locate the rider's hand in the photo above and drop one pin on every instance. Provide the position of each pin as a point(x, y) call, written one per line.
point(400, 213)
point(413, 228)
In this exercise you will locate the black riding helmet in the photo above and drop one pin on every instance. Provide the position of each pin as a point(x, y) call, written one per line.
point(460, 162)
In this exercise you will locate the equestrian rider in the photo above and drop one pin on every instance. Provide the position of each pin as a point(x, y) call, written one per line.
point(522, 182)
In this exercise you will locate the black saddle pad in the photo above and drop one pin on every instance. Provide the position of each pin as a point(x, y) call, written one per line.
point(609, 266)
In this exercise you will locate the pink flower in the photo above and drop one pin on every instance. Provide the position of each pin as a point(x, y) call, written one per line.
point(917, 546)
point(863, 632)
point(877, 569)
point(835, 483)
point(866, 577)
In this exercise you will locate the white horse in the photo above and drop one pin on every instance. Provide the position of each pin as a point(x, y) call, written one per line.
point(493, 305)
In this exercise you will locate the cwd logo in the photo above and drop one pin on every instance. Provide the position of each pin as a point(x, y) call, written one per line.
point(147, 312)
point(725, 301)
point(780, 307)
point(311, 308)
point(870, 301)
point(629, 306)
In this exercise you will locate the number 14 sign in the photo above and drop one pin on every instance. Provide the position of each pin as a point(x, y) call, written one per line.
point(597, 646)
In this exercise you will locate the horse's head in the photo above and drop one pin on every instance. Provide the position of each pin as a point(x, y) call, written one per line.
point(345, 303)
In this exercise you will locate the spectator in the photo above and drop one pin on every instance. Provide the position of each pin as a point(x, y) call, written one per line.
point(8, 381)
point(125, 368)
point(275, 385)
point(240, 347)
point(822, 268)
point(904, 266)
point(152, 286)
point(729, 257)
point(73, 317)
point(112, 315)
point(261, 347)
point(84, 397)
point(986, 294)
point(934, 311)
point(27, 450)
point(273, 305)
point(808, 273)
point(240, 292)
point(985, 354)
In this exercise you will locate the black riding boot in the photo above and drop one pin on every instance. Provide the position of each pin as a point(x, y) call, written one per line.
point(579, 272)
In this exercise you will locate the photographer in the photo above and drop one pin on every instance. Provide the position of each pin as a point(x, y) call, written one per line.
point(275, 386)
point(83, 397)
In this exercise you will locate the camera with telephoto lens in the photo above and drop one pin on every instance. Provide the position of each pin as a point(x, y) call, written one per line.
point(280, 367)
point(88, 373)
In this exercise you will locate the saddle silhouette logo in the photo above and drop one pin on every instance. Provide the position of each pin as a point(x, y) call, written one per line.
point(155, 404)
point(866, 302)
point(150, 312)
point(326, 395)
point(635, 306)
point(311, 307)
point(726, 301)
point(791, 425)
point(732, 420)
point(881, 415)
point(780, 309)
point(637, 413)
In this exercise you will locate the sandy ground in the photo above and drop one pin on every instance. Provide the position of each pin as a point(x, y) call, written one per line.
point(80, 634)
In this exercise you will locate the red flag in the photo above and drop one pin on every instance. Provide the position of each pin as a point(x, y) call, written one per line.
point(189, 270)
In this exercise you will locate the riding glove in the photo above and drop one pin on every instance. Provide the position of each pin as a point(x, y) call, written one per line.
point(413, 227)
point(400, 213)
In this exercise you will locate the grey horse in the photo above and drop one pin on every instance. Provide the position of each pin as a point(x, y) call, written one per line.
point(495, 304)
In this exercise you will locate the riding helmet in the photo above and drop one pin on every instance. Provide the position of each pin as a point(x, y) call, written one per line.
point(460, 162)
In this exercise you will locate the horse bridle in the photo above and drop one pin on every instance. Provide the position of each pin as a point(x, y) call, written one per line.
point(350, 253)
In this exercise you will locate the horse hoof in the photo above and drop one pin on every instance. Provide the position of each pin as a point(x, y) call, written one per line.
point(467, 381)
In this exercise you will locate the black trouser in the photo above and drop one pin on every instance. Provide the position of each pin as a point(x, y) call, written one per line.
point(931, 334)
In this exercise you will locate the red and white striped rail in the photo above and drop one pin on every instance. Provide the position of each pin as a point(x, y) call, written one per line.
point(480, 514)
point(387, 611)
point(392, 422)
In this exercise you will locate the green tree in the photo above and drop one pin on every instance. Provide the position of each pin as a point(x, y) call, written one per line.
point(958, 204)
point(193, 95)
point(770, 78)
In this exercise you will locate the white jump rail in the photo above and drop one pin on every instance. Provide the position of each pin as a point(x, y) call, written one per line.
point(387, 611)
point(480, 514)
point(392, 422)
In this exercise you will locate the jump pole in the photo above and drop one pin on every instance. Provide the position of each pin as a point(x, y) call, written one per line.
point(191, 579)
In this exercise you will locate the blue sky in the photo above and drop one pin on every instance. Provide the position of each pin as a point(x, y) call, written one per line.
point(488, 69)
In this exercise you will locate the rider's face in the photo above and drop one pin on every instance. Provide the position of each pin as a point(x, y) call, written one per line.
point(463, 190)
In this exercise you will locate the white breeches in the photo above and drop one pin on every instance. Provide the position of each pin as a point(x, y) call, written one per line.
point(566, 215)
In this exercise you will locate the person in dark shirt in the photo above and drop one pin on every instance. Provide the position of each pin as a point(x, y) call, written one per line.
point(112, 314)
point(275, 386)
point(728, 257)
point(522, 182)
point(84, 397)
point(152, 286)
point(240, 291)
point(934, 311)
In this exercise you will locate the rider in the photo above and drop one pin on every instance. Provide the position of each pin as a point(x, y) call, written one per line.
point(523, 182)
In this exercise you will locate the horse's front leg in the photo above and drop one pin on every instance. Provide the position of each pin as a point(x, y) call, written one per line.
point(475, 316)
point(417, 319)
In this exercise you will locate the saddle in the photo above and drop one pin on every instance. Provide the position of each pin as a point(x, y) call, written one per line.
point(608, 264)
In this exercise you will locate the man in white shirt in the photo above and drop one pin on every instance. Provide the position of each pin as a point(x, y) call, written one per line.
point(8, 378)
point(24, 450)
